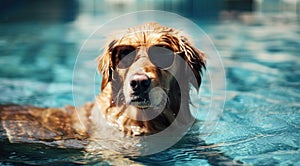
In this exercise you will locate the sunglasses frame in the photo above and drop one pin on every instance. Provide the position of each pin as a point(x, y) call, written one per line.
point(135, 48)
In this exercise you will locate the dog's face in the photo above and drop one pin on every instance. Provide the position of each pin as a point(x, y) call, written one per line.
point(142, 66)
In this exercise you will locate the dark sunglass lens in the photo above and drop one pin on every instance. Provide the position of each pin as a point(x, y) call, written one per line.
point(125, 56)
point(161, 57)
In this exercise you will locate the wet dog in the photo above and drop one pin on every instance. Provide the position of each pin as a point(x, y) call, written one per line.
point(146, 77)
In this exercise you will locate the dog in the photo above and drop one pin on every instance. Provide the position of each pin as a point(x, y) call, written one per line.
point(146, 77)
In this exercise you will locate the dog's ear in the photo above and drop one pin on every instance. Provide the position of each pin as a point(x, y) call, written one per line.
point(196, 60)
point(105, 64)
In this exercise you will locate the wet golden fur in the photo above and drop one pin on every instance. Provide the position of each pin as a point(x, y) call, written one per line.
point(32, 123)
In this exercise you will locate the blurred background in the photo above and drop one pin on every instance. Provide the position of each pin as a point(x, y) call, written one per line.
point(71, 10)
point(258, 42)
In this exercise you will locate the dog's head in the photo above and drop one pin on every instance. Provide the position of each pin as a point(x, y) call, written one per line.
point(144, 67)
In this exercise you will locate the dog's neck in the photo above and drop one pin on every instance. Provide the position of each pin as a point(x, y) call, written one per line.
point(120, 117)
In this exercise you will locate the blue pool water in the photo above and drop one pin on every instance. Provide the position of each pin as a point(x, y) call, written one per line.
point(260, 123)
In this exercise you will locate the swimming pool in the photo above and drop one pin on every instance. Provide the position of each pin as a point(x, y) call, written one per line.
point(261, 118)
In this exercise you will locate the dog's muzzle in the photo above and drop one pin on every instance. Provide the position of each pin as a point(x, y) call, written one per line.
point(140, 86)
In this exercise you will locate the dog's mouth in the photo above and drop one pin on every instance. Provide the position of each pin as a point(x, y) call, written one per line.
point(148, 104)
point(141, 101)
point(156, 98)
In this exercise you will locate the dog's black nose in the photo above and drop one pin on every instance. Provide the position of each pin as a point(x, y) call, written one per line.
point(140, 82)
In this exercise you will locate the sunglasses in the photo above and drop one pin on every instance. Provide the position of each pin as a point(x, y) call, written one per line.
point(161, 56)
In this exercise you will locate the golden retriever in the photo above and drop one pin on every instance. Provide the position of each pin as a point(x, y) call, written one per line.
point(144, 86)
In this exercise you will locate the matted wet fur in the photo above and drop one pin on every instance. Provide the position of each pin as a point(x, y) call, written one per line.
point(119, 104)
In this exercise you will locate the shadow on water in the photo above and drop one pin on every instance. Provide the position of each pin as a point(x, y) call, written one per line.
point(188, 149)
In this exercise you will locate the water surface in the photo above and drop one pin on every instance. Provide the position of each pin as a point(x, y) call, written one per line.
point(261, 118)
